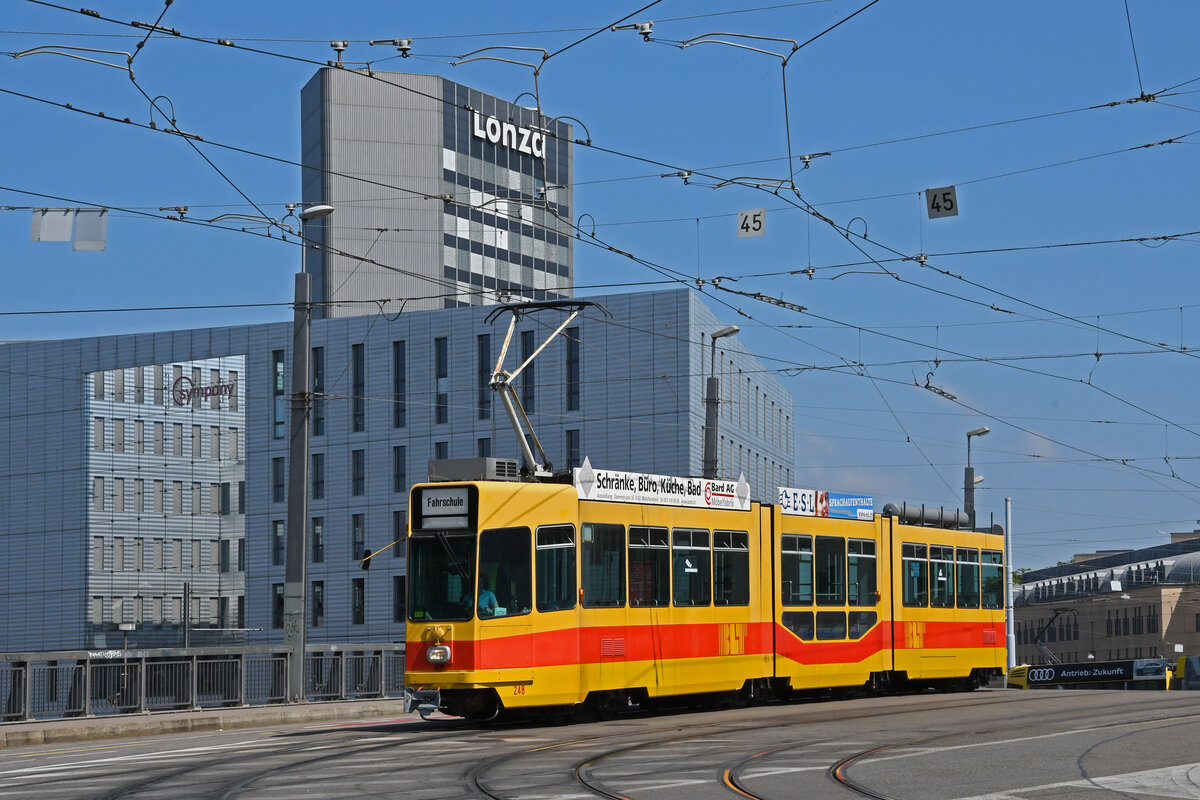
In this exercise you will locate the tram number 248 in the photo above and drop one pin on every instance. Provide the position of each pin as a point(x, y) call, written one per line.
point(519, 689)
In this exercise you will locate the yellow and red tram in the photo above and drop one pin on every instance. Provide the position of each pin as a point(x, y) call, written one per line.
point(625, 588)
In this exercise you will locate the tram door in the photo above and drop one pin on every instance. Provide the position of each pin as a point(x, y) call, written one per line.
point(505, 599)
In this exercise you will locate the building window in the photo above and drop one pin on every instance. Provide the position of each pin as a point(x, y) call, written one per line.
point(119, 554)
point(277, 605)
point(399, 384)
point(233, 405)
point(241, 497)
point(214, 443)
point(357, 601)
point(318, 391)
point(318, 476)
point(214, 498)
point(398, 590)
point(98, 386)
point(278, 543)
point(527, 348)
point(139, 498)
point(277, 390)
point(358, 376)
point(139, 436)
point(399, 468)
point(483, 447)
point(119, 435)
point(119, 385)
point(197, 443)
point(158, 438)
point(97, 553)
point(98, 433)
point(318, 540)
point(278, 493)
point(214, 380)
point(241, 557)
point(441, 360)
point(483, 401)
point(358, 536)
point(235, 445)
point(177, 439)
point(160, 491)
point(177, 497)
point(573, 449)
point(358, 472)
point(224, 555)
point(573, 369)
point(158, 384)
point(441, 449)
point(118, 494)
point(139, 385)
point(318, 604)
point(226, 498)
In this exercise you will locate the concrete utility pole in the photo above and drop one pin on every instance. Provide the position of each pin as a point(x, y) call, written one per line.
point(295, 623)
point(712, 390)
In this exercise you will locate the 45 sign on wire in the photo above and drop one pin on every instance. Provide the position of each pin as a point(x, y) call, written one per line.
point(752, 222)
point(941, 202)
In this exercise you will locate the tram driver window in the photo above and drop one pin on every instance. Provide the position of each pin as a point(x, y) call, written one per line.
point(603, 565)
point(504, 573)
point(731, 568)
point(992, 579)
point(831, 575)
point(796, 571)
point(555, 567)
point(941, 576)
point(915, 578)
point(691, 572)
point(649, 566)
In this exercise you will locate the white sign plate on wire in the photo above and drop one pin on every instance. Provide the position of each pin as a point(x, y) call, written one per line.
point(941, 202)
point(752, 222)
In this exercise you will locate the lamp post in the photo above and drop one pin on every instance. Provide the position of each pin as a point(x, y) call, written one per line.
point(709, 464)
point(294, 622)
point(969, 479)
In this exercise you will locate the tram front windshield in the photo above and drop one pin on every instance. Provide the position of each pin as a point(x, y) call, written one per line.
point(441, 576)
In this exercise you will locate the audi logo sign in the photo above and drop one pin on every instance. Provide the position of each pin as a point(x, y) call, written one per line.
point(1041, 675)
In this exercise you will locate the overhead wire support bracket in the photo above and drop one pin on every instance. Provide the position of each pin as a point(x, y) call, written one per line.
point(502, 381)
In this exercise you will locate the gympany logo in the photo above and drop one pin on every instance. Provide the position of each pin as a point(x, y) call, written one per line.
point(183, 391)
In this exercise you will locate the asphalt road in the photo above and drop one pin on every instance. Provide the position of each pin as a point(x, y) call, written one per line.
point(994, 744)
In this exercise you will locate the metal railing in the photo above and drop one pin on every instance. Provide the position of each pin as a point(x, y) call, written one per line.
point(53, 685)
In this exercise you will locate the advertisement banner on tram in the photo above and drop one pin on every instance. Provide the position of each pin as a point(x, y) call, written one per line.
point(661, 490)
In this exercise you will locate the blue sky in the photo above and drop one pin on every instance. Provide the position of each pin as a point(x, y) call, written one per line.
point(1033, 312)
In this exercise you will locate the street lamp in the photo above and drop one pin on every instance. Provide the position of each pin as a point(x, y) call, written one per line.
point(294, 620)
point(709, 464)
point(969, 479)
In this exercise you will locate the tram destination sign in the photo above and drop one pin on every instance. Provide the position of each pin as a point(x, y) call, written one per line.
point(660, 490)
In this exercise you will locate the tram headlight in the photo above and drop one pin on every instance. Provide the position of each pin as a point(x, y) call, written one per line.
point(438, 654)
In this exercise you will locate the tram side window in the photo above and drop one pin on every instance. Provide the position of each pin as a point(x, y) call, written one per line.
point(992, 578)
point(649, 566)
point(941, 576)
point(731, 568)
point(799, 623)
point(554, 561)
point(691, 572)
point(504, 573)
point(796, 571)
point(861, 622)
point(831, 625)
point(831, 575)
point(916, 575)
point(603, 565)
point(860, 571)
point(968, 577)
